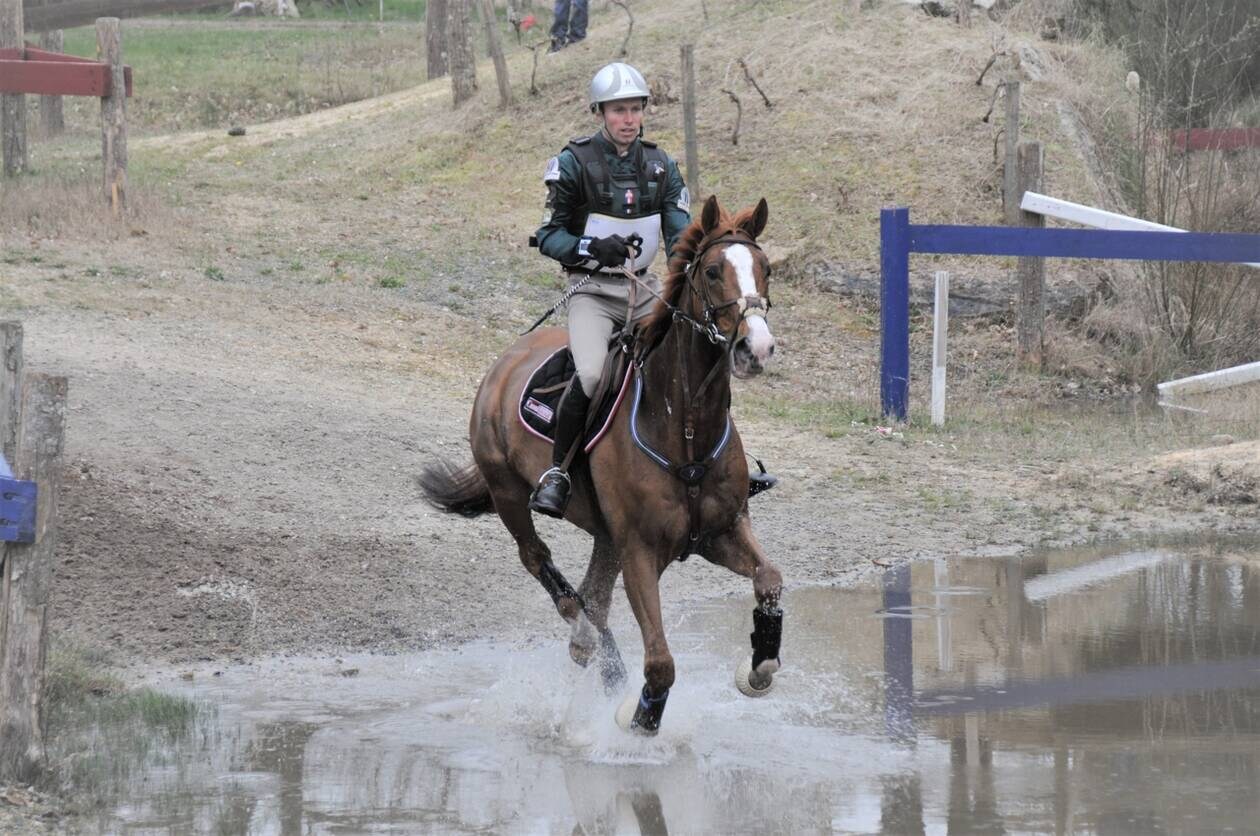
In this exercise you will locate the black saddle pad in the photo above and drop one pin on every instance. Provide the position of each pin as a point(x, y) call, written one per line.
point(541, 398)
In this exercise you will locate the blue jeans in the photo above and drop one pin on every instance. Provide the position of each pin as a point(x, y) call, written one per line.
point(569, 29)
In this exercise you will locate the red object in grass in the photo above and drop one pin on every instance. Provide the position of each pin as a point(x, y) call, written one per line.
point(528, 22)
point(1216, 139)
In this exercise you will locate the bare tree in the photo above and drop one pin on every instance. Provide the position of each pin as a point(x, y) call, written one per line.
point(625, 45)
point(460, 49)
point(495, 48)
point(435, 39)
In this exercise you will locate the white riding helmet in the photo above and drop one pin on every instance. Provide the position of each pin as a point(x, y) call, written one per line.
point(617, 81)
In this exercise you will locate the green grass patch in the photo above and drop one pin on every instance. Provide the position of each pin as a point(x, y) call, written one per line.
point(100, 732)
point(189, 78)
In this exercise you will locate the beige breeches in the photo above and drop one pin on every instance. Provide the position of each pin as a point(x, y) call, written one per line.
point(596, 313)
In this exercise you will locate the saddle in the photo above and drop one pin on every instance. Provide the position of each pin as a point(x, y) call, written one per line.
point(545, 386)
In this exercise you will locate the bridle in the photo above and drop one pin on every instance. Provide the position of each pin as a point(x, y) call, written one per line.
point(693, 469)
point(749, 306)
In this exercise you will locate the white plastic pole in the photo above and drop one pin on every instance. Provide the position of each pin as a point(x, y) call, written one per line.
point(940, 327)
point(1209, 381)
point(1066, 210)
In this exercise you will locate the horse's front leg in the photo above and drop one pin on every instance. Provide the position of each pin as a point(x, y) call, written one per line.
point(738, 550)
point(641, 569)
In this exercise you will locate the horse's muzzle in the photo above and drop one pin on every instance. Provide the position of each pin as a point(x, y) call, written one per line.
point(753, 350)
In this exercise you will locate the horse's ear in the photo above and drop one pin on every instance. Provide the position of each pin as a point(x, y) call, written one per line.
point(711, 215)
point(756, 222)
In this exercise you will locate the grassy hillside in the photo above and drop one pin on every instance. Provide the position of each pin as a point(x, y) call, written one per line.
point(868, 112)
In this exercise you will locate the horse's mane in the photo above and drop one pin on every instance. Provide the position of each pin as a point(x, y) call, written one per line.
point(692, 242)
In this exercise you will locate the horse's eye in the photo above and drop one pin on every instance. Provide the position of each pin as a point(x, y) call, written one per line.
point(713, 272)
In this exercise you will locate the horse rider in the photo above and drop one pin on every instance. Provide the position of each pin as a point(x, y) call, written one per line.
point(612, 198)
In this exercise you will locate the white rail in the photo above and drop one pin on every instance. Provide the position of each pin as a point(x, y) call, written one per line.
point(1066, 210)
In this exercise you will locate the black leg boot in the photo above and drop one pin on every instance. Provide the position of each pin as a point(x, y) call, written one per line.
point(552, 494)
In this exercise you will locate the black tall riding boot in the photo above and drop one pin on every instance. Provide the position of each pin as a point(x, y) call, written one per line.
point(552, 494)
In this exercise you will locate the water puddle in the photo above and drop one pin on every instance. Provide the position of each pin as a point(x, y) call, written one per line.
point(1084, 691)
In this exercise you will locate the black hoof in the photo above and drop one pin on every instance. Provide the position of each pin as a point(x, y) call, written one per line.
point(642, 715)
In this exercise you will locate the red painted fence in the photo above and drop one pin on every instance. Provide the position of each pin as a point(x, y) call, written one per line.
point(1216, 139)
point(38, 71)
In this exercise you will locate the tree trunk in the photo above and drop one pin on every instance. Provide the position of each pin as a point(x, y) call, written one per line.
point(435, 39)
point(460, 49)
point(495, 48)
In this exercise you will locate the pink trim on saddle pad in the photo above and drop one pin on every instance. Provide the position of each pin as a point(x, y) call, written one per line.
point(599, 436)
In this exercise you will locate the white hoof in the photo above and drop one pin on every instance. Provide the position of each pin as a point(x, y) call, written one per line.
point(756, 683)
point(625, 711)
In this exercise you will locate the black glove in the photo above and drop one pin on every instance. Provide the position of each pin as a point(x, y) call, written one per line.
point(609, 252)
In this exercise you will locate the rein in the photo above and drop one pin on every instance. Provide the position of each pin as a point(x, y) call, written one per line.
point(692, 472)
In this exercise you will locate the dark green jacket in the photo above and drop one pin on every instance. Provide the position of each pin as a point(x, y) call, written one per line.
point(568, 204)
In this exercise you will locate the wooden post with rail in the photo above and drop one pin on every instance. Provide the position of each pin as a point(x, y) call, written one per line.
point(52, 118)
point(113, 113)
point(1031, 317)
point(12, 105)
point(28, 579)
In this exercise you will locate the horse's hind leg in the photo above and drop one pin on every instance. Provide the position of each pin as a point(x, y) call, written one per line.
point(596, 592)
point(739, 551)
point(511, 498)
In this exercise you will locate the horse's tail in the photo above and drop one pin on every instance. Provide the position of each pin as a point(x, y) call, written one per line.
point(460, 491)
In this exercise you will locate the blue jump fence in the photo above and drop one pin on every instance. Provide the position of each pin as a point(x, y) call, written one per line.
point(899, 238)
point(17, 507)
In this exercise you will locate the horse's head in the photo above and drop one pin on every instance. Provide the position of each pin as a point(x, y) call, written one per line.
point(729, 284)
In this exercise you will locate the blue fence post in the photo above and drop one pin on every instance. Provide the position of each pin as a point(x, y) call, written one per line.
point(894, 311)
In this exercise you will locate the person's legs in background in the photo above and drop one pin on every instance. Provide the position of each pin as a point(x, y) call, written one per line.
point(560, 25)
point(577, 23)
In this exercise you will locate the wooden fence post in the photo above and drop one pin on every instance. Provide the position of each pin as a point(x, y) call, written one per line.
point(113, 113)
point(1031, 319)
point(28, 576)
point(1010, 182)
point(51, 116)
point(12, 105)
point(495, 48)
point(10, 416)
point(10, 387)
point(692, 145)
point(940, 332)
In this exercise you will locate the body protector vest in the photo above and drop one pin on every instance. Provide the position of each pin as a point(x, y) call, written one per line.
point(622, 205)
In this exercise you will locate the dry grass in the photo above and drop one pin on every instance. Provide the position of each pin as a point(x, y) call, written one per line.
point(402, 195)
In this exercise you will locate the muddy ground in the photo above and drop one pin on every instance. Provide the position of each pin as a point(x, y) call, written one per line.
point(240, 464)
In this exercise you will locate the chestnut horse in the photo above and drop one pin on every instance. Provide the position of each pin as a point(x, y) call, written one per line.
point(668, 480)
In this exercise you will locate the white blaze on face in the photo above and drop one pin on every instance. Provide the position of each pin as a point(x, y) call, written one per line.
point(760, 340)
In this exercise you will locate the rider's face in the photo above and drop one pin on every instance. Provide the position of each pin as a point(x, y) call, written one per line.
point(622, 121)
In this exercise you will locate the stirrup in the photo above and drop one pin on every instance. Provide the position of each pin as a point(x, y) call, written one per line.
point(762, 481)
point(552, 494)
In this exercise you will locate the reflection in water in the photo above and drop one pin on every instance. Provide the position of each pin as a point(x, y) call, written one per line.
point(1070, 692)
